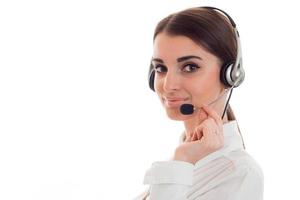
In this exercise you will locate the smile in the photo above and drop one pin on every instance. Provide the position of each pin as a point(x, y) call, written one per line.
point(171, 103)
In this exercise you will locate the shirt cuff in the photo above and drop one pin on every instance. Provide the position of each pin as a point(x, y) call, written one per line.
point(174, 171)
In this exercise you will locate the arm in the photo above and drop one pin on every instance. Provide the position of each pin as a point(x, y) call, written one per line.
point(169, 180)
point(244, 185)
point(251, 186)
point(173, 179)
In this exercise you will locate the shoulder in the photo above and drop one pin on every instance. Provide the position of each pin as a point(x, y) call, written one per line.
point(245, 164)
point(235, 175)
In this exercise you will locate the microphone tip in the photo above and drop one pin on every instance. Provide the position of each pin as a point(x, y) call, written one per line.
point(187, 109)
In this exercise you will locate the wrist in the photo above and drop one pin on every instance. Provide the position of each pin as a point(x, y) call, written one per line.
point(178, 155)
point(192, 158)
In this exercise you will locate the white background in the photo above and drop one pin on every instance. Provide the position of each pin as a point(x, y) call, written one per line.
point(78, 121)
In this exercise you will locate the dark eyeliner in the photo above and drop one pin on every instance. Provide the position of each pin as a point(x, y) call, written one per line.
point(192, 65)
point(159, 66)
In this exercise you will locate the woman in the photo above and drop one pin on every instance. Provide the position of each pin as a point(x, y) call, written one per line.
point(196, 61)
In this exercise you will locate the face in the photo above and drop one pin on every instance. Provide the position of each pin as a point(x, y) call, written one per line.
point(184, 73)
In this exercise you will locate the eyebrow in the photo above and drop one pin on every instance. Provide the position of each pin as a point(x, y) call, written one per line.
point(181, 59)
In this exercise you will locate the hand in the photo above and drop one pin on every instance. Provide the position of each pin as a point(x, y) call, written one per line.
point(206, 138)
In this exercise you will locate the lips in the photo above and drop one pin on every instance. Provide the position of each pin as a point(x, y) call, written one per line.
point(173, 102)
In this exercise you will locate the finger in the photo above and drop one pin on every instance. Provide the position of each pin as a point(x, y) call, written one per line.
point(201, 115)
point(204, 130)
point(211, 139)
point(198, 133)
point(213, 114)
point(211, 125)
point(209, 131)
point(195, 136)
point(188, 138)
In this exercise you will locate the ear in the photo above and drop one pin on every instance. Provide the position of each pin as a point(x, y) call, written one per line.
point(223, 88)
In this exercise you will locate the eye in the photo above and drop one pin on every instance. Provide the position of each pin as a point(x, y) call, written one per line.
point(191, 67)
point(160, 68)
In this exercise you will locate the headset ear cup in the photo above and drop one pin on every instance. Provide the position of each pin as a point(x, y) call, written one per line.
point(223, 74)
point(151, 79)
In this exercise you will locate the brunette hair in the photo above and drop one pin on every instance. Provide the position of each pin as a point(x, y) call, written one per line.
point(206, 27)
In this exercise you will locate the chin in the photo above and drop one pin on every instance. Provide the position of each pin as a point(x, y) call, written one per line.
point(174, 114)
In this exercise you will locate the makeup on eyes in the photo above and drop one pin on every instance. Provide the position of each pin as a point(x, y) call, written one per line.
point(188, 67)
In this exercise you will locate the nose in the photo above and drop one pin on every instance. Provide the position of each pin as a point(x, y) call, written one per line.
point(171, 82)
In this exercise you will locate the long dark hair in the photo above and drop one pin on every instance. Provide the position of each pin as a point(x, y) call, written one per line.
point(207, 27)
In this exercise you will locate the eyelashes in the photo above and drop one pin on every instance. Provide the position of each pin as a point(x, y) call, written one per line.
point(189, 68)
point(186, 68)
point(160, 68)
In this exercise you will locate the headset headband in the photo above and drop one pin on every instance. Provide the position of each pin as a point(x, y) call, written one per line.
point(237, 72)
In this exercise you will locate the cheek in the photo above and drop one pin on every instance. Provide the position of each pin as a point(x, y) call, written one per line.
point(198, 93)
point(202, 90)
point(197, 86)
point(157, 84)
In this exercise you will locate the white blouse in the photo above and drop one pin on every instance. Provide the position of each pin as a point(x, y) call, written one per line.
point(227, 174)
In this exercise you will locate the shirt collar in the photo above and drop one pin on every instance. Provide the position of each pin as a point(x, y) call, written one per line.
point(232, 136)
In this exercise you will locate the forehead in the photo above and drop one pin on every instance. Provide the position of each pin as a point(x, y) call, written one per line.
point(168, 46)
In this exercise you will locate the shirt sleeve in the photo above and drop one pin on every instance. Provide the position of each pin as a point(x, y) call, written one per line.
point(169, 180)
point(247, 185)
point(251, 187)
